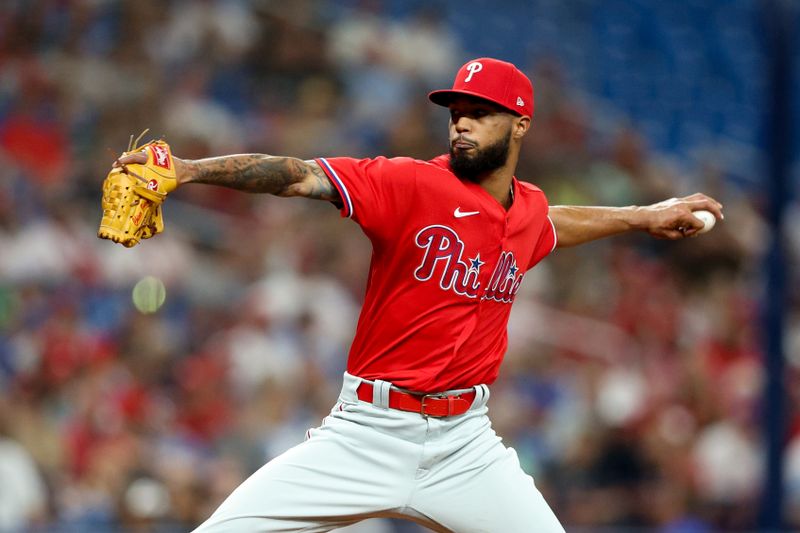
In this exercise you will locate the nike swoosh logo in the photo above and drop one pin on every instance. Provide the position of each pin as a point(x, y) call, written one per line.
point(458, 213)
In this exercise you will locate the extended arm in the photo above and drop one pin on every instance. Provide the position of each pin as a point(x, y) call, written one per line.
point(256, 173)
point(670, 219)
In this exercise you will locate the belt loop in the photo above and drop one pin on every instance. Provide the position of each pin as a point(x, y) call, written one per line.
point(481, 396)
point(380, 393)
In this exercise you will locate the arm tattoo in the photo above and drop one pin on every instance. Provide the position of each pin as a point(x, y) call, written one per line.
point(257, 173)
point(249, 172)
point(322, 188)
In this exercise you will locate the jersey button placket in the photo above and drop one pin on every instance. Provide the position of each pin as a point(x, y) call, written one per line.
point(499, 228)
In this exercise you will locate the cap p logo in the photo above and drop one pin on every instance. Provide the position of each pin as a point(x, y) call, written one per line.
point(473, 69)
point(499, 82)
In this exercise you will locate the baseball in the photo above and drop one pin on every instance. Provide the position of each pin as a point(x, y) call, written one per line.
point(149, 294)
point(708, 219)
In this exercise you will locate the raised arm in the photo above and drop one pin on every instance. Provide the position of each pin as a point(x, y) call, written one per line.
point(255, 173)
point(670, 219)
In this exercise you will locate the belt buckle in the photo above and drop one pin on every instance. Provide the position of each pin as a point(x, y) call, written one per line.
point(435, 396)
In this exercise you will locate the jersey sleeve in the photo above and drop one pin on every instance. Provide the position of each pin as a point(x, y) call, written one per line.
point(376, 193)
point(548, 239)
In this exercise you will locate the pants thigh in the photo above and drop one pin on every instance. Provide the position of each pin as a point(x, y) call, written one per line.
point(483, 489)
point(343, 473)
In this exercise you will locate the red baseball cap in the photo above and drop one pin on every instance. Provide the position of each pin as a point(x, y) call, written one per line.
point(494, 80)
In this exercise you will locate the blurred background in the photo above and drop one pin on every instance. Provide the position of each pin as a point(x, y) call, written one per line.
point(642, 387)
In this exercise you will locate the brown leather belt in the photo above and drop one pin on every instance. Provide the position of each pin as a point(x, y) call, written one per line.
point(439, 404)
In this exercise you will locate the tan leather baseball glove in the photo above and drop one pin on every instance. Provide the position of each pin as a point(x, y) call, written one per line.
point(133, 194)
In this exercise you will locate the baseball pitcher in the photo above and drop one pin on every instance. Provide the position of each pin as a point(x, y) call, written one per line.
point(452, 240)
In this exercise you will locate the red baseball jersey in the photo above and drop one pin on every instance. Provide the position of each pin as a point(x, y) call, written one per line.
point(447, 261)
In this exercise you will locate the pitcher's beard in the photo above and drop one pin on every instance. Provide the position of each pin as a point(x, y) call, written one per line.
point(485, 160)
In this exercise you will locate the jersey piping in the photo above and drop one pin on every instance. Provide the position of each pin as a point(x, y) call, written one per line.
point(555, 234)
point(348, 203)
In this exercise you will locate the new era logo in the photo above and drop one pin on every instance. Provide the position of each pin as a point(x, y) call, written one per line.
point(520, 101)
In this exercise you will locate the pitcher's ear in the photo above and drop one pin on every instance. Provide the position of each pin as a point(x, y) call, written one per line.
point(521, 127)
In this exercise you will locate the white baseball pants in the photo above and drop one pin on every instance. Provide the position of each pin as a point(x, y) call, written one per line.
point(450, 474)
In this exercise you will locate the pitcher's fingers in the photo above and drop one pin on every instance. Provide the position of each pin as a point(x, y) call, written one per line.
point(671, 234)
point(708, 204)
point(137, 158)
point(700, 196)
point(690, 222)
point(712, 200)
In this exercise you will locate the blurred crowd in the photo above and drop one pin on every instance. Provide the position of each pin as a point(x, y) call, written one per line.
point(633, 381)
